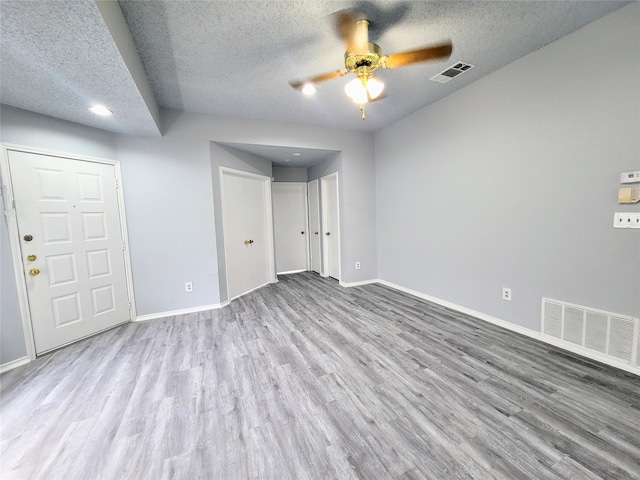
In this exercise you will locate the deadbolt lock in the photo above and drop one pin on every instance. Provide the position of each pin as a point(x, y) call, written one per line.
point(31, 257)
point(33, 272)
point(28, 238)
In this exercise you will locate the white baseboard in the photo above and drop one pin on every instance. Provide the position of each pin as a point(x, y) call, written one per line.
point(184, 311)
point(291, 271)
point(514, 328)
point(5, 367)
point(357, 284)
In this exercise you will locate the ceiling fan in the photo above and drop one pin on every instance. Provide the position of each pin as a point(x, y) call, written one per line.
point(363, 57)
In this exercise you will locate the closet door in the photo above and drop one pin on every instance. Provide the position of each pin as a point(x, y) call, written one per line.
point(247, 224)
point(331, 226)
point(314, 226)
point(290, 226)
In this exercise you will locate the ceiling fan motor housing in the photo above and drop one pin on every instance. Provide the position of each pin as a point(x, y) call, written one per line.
point(369, 59)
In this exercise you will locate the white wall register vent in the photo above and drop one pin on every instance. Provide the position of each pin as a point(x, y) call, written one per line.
point(603, 336)
point(452, 72)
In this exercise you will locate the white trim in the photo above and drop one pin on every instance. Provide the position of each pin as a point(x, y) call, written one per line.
point(14, 237)
point(291, 271)
point(249, 291)
point(269, 218)
point(317, 199)
point(184, 311)
point(357, 284)
point(515, 328)
point(16, 257)
point(18, 362)
point(124, 232)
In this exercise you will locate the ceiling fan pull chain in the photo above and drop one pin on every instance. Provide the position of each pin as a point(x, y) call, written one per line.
point(362, 110)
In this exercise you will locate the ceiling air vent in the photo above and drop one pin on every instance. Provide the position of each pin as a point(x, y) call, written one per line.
point(452, 72)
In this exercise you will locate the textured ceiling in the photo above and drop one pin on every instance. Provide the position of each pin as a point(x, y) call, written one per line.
point(285, 156)
point(234, 58)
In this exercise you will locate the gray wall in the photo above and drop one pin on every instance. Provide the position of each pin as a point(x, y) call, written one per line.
point(169, 203)
point(171, 189)
point(289, 174)
point(512, 182)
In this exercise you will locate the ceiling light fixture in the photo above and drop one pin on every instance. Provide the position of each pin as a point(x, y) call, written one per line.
point(308, 89)
point(364, 88)
point(363, 57)
point(296, 154)
point(100, 110)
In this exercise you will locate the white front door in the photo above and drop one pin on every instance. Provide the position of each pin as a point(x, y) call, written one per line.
point(331, 225)
point(247, 231)
point(314, 226)
point(71, 245)
point(290, 226)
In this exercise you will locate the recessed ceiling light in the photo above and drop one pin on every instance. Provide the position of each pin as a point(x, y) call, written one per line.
point(296, 154)
point(287, 159)
point(308, 89)
point(100, 110)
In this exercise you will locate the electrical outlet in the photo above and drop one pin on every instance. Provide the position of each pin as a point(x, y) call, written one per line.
point(357, 265)
point(188, 287)
point(626, 220)
point(506, 294)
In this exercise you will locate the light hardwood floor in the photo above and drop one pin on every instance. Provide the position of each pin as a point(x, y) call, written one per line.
point(307, 380)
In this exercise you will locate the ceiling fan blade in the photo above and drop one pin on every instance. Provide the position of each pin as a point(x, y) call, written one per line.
point(423, 54)
point(298, 84)
point(353, 29)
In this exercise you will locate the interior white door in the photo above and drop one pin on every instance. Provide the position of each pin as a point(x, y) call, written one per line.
point(246, 231)
point(314, 226)
point(331, 225)
point(71, 246)
point(290, 226)
point(258, 249)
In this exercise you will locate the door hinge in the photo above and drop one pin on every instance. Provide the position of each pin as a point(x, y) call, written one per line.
point(129, 303)
point(117, 183)
point(123, 247)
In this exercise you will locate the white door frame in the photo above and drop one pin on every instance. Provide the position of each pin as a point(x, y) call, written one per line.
point(325, 243)
point(14, 237)
point(317, 182)
point(269, 216)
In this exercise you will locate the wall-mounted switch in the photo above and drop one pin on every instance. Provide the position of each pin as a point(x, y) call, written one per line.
point(626, 220)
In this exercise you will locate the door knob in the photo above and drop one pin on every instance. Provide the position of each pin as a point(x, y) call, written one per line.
point(301, 233)
point(31, 257)
point(316, 233)
point(328, 233)
point(247, 242)
point(34, 271)
point(28, 238)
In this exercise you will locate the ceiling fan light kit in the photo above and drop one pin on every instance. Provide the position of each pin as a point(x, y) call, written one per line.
point(362, 58)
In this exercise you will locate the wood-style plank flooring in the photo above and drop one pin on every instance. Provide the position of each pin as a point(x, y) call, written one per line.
point(304, 379)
